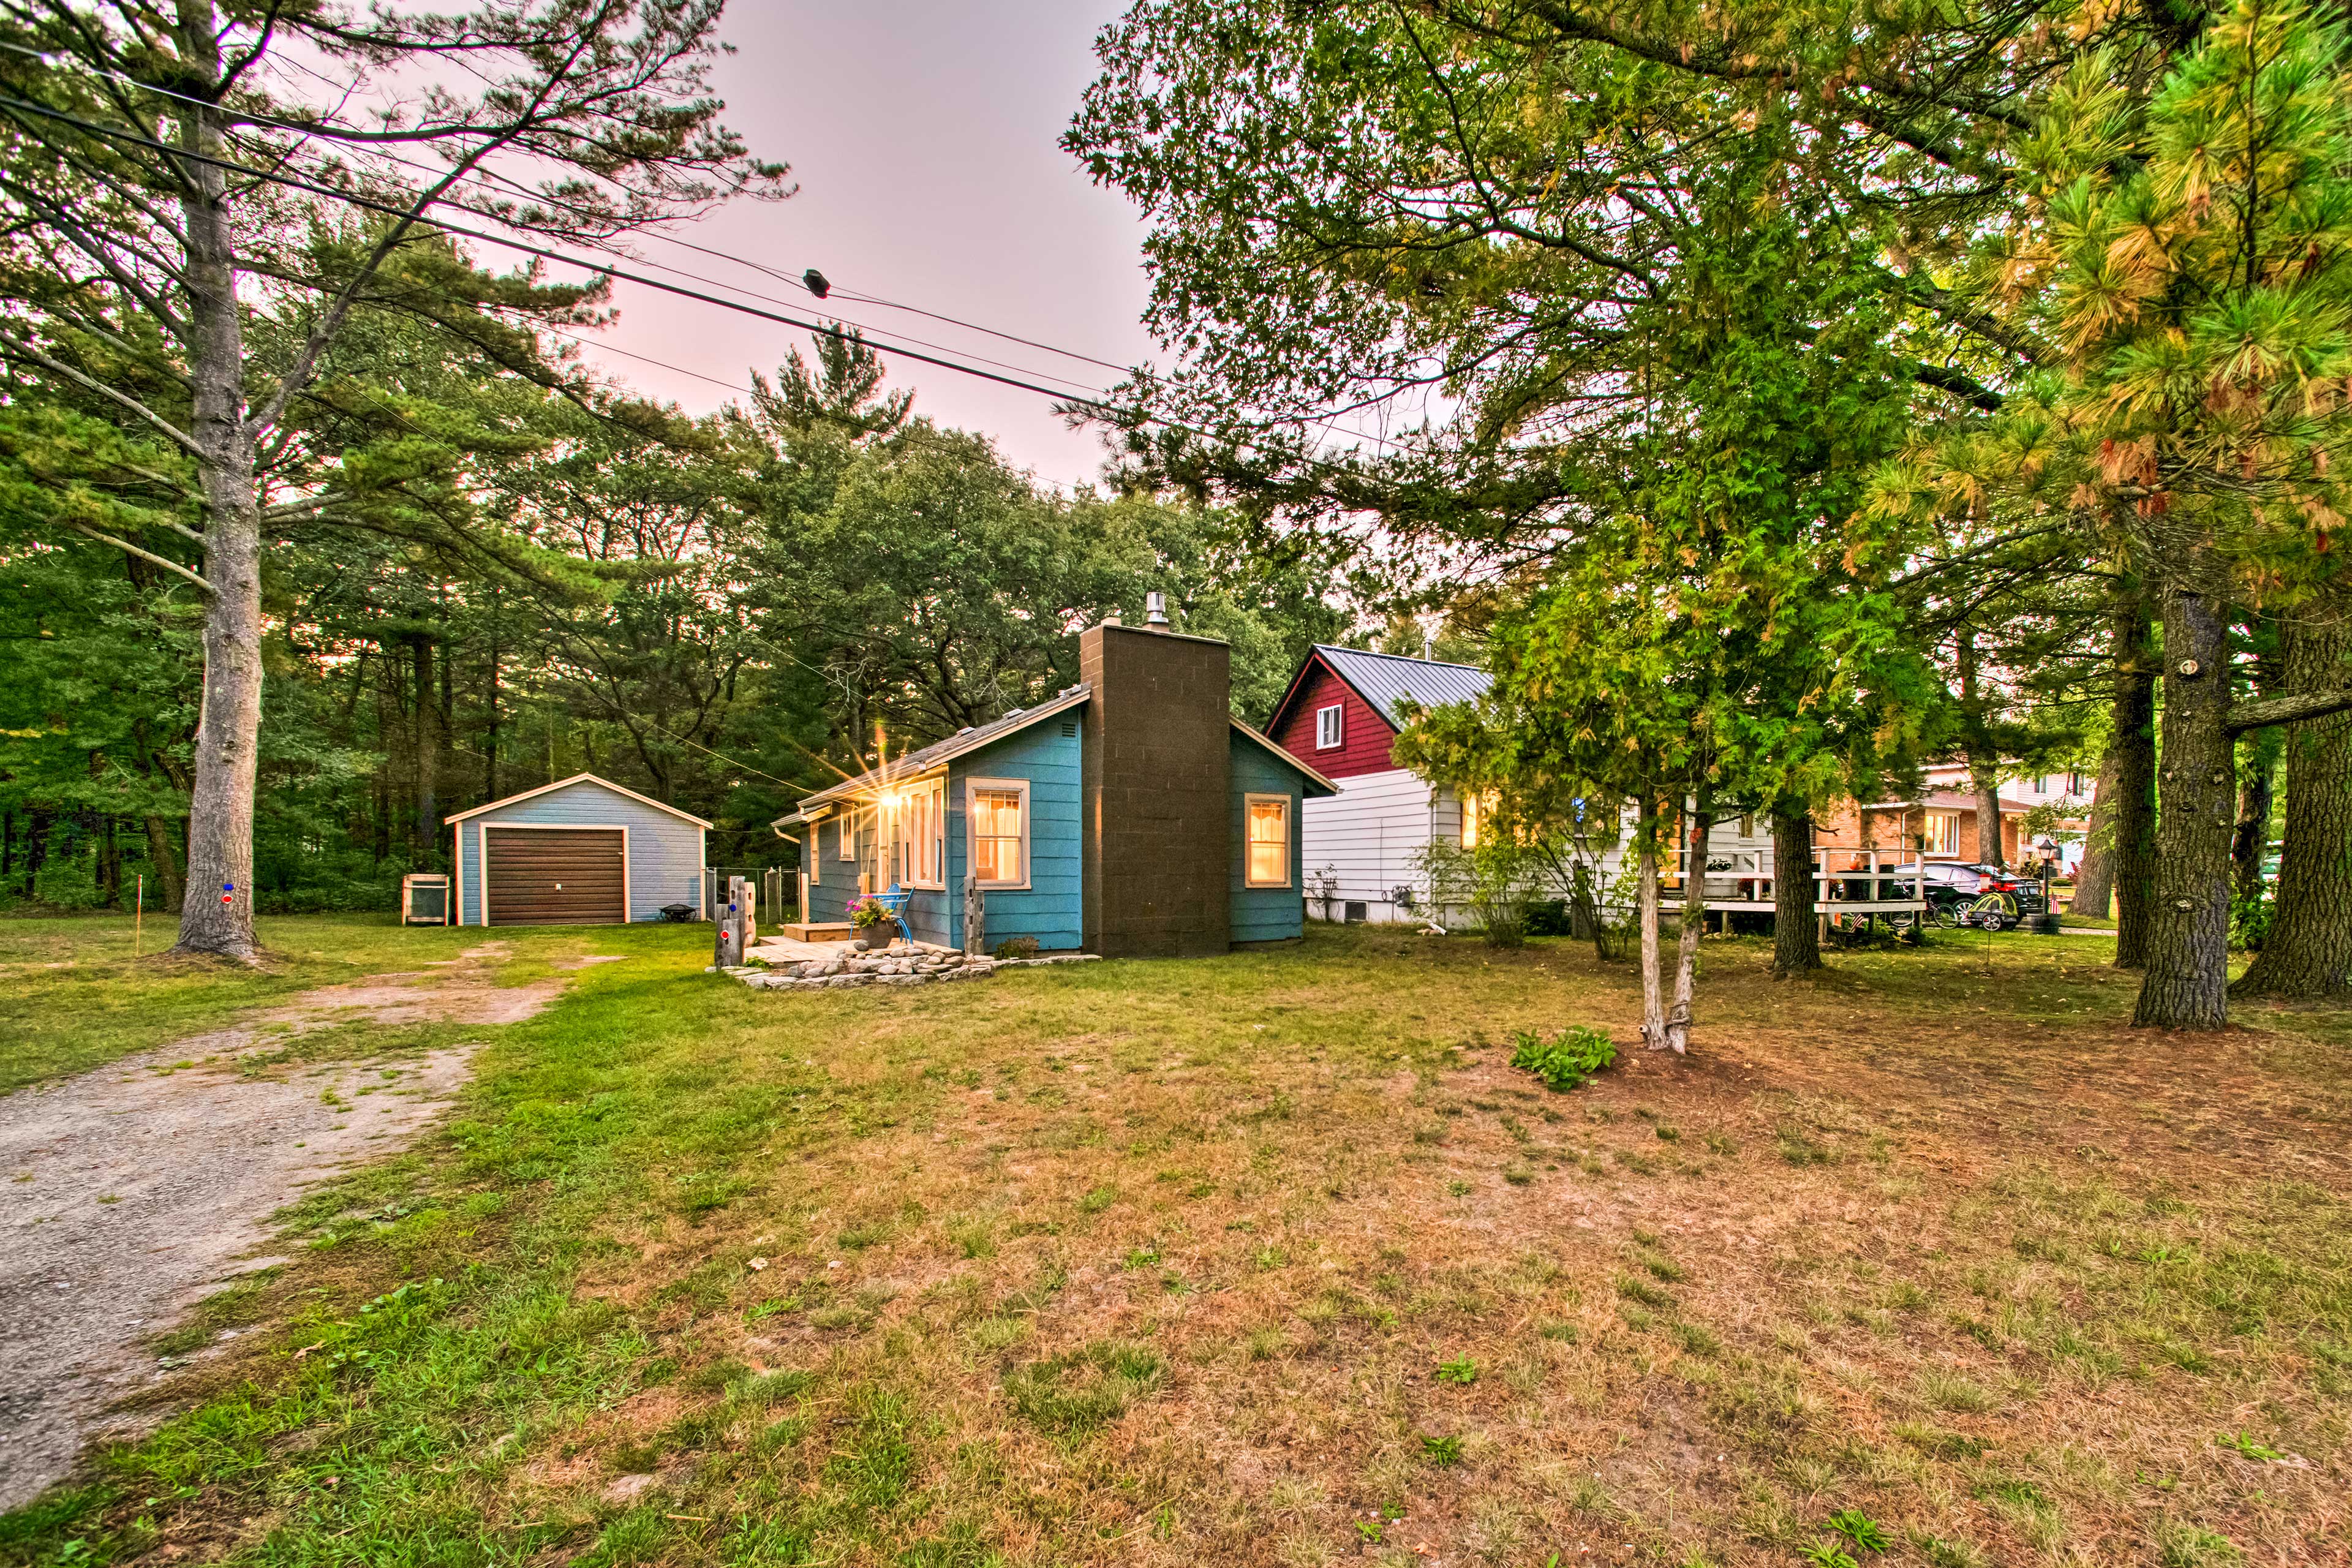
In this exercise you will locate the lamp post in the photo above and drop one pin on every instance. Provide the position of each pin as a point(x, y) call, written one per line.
point(2047, 847)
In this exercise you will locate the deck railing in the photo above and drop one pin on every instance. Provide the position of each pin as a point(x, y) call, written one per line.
point(1846, 875)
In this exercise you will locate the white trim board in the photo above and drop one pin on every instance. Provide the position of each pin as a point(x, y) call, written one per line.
point(565, 784)
point(1028, 870)
point(621, 827)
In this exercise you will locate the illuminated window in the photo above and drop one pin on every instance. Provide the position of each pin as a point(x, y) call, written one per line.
point(849, 831)
point(1269, 840)
point(1326, 727)
point(996, 825)
point(1939, 833)
point(919, 840)
point(1475, 812)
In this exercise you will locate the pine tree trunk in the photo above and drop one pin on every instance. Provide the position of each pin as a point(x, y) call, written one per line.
point(217, 915)
point(2308, 954)
point(2251, 837)
point(1796, 933)
point(1653, 1006)
point(1679, 1017)
point(2188, 979)
point(2094, 882)
point(1984, 774)
point(170, 892)
point(425, 832)
point(2133, 748)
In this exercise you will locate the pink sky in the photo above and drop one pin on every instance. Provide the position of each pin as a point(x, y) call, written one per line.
point(922, 136)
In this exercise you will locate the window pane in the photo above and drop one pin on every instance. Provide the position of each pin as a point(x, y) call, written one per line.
point(996, 835)
point(1269, 842)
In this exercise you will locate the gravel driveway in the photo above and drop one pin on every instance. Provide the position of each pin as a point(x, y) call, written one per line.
point(128, 1194)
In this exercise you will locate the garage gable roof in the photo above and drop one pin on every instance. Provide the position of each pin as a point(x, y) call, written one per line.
point(567, 783)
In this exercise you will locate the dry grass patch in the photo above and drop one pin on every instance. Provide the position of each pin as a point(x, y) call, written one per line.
point(1273, 1260)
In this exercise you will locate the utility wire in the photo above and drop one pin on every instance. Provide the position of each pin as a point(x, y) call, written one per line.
point(518, 187)
point(822, 328)
point(605, 270)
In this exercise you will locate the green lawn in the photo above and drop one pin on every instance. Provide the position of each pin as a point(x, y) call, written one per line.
point(1275, 1259)
point(73, 997)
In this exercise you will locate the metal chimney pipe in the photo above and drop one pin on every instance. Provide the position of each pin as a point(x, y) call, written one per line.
point(1155, 608)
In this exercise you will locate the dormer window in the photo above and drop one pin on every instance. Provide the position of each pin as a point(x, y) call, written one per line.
point(1328, 729)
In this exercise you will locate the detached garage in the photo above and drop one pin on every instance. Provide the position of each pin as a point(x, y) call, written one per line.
point(581, 851)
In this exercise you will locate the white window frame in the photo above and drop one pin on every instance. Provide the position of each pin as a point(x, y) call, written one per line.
point(1249, 801)
point(845, 841)
point(924, 806)
point(1330, 726)
point(972, 788)
point(1951, 821)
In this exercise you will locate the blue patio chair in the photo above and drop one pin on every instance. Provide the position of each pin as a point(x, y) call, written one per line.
point(895, 899)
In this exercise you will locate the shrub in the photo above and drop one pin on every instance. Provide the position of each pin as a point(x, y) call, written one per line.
point(1550, 917)
point(1017, 947)
point(1565, 1061)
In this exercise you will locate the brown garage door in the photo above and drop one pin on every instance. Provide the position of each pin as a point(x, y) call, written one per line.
point(555, 876)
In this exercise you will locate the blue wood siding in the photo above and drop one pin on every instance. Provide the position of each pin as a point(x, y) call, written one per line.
point(835, 883)
point(1048, 909)
point(1264, 914)
point(665, 851)
point(1047, 754)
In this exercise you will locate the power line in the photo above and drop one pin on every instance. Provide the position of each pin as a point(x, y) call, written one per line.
point(822, 328)
point(409, 215)
point(304, 128)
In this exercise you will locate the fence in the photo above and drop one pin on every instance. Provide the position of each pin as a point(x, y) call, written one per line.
point(775, 891)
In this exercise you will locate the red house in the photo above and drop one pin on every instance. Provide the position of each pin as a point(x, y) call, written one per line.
point(1341, 715)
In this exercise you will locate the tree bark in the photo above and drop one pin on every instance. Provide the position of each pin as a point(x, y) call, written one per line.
point(424, 834)
point(216, 916)
point(1983, 760)
point(1653, 1006)
point(2094, 882)
point(169, 890)
point(1796, 934)
point(2308, 954)
point(2133, 748)
point(2251, 837)
point(2188, 979)
point(1679, 1017)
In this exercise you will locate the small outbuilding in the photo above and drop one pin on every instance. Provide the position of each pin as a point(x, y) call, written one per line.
point(580, 851)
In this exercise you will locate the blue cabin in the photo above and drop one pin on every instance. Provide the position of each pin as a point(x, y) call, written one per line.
point(1131, 815)
point(580, 851)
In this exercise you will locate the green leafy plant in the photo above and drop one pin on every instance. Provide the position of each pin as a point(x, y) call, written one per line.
point(1442, 1452)
point(2248, 1447)
point(1566, 1061)
point(1859, 1528)
point(1462, 1370)
point(1827, 1554)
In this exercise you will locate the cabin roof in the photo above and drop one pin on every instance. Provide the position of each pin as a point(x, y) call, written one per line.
point(923, 759)
point(1388, 681)
point(567, 783)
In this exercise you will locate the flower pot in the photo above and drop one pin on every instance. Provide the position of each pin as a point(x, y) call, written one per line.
point(869, 938)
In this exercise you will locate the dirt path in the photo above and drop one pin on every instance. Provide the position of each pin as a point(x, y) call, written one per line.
point(129, 1193)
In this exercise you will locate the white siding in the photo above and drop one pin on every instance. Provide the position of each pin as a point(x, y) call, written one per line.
point(1371, 830)
point(666, 852)
point(1369, 833)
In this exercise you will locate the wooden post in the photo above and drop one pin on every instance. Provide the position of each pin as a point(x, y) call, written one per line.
point(975, 914)
point(748, 932)
point(733, 916)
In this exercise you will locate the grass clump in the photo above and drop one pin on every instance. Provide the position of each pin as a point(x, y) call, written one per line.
point(1568, 1060)
point(1087, 1389)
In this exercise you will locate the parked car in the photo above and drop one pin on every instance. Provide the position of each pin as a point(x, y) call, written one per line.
point(1951, 885)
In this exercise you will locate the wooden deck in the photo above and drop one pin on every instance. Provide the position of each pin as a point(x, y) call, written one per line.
point(818, 931)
